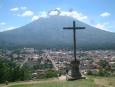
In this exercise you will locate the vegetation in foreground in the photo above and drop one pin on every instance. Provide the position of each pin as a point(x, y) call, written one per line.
point(10, 71)
point(90, 82)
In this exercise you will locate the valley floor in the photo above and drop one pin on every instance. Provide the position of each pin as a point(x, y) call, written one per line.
point(89, 82)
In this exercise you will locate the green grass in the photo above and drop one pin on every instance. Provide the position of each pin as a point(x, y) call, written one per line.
point(60, 84)
point(90, 82)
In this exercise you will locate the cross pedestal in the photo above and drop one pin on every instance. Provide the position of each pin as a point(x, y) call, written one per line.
point(75, 73)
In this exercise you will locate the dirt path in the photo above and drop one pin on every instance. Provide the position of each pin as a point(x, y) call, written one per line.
point(60, 79)
point(103, 82)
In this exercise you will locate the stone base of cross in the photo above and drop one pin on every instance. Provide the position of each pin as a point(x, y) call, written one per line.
point(75, 72)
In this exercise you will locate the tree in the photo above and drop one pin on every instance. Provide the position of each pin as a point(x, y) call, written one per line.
point(51, 73)
point(105, 69)
point(103, 63)
point(10, 71)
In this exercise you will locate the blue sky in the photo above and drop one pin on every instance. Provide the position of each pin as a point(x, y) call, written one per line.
point(97, 13)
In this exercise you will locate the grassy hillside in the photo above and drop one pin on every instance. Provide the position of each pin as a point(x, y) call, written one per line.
point(89, 82)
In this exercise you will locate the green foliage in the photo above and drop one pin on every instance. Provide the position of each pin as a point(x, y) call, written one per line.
point(105, 69)
point(51, 73)
point(89, 72)
point(11, 72)
point(104, 63)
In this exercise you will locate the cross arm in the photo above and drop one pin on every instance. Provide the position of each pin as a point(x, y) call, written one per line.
point(73, 28)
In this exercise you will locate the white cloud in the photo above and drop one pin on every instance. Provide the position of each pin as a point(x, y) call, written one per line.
point(53, 13)
point(27, 13)
point(2, 23)
point(74, 14)
point(10, 28)
point(23, 8)
point(7, 28)
point(105, 14)
point(58, 11)
point(100, 26)
point(35, 18)
point(18, 8)
point(22, 11)
point(103, 26)
point(14, 9)
point(43, 14)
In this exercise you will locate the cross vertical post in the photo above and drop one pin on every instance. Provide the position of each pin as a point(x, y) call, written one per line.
point(74, 28)
point(74, 39)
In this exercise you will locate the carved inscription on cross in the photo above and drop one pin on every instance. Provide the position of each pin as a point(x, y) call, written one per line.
point(74, 28)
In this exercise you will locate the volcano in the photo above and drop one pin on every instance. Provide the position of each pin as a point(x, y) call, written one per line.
point(48, 33)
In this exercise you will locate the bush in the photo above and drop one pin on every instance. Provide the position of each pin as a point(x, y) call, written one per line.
point(10, 71)
point(51, 73)
point(89, 72)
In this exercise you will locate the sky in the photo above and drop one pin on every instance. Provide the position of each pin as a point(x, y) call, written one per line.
point(97, 13)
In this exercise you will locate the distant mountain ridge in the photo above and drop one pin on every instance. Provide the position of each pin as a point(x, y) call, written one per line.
point(49, 33)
